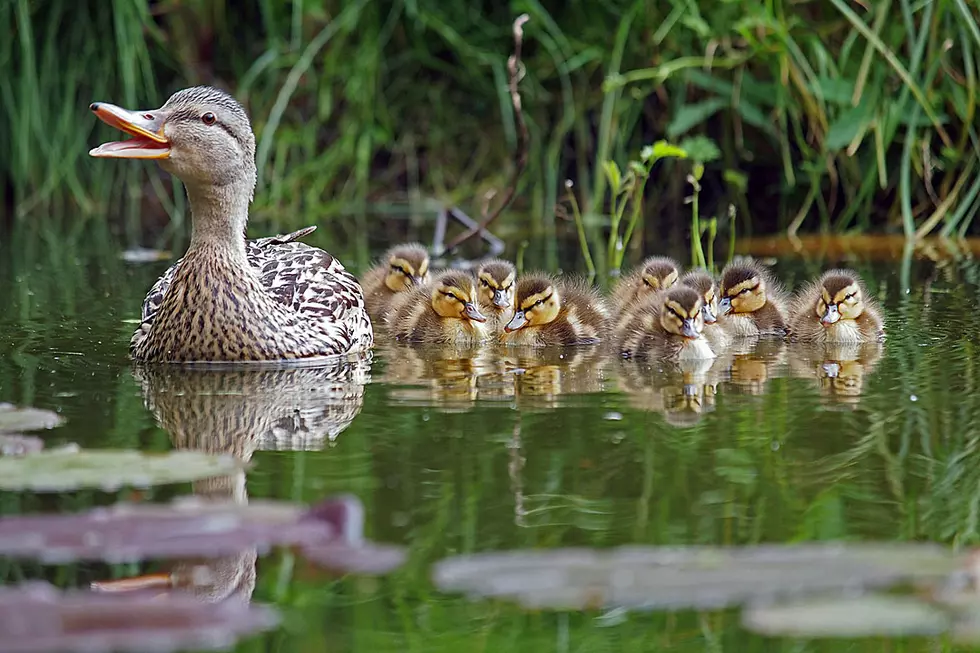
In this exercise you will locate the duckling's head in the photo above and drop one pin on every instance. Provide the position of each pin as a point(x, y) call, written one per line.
point(704, 284)
point(201, 135)
point(495, 281)
point(454, 296)
point(681, 312)
point(659, 273)
point(743, 289)
point(408, 266)
point(536, 303)
point(841, 297)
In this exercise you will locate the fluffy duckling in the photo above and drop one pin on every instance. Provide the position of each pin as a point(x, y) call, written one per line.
point(836, 308)
point(753, 302)
point(442, 312)
point(707, 287)
point(495, 284)
point(668, 326)
point(402, 268)
point(654, 274)
point(552, 312)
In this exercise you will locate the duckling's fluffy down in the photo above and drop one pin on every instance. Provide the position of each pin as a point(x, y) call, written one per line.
point(583, 317)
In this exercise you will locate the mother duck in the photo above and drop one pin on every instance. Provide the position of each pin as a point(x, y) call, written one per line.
point(229, 299)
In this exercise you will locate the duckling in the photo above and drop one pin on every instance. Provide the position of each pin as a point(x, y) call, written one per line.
point(669, 325)
point(552, 312)
point(753, 302)
point(495, 283)
point(706, 284)
point(654, 274)
point(836, 308)
point(402, 268)
point(441, 312)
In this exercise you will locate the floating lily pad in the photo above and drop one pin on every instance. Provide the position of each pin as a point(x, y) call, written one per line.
point(17, 420)
point(328, 534)
point(652, 578)
point(61, 470)
point(36, 617)
point(872, 615)
point(19, 445)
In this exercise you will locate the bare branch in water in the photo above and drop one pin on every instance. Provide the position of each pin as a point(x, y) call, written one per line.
point(515, 70)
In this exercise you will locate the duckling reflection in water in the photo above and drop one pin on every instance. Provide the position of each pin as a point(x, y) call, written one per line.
point(836, 309)
point(839, 370)
point(542, 377)
point(443, 312)
point(495, 284)
point(753, 302)
point(651, 276)
point(753, 363)
point(552, 312)
point(402, 268)
point(446, 377)
point(668, 326)
point(682, 394)
point(236, 412)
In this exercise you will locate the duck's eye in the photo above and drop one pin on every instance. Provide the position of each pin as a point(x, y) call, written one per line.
point(485, 283)
point(848, 297)
point(209, 118)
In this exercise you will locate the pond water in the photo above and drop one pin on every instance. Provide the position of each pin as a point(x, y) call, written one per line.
point(489, 451)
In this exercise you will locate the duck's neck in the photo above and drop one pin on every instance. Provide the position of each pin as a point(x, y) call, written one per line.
point(219, 215)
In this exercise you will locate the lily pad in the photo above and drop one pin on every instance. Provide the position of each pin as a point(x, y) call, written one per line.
point(653, 578)
point(872, 615)
point(66, 469)
point(16, 420)
point(36, 617)
point(328, 534)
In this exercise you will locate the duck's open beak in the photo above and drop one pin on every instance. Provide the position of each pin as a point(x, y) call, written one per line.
point(146, 129)
point(471, 311)
point(709, 317)
point(688, 330)
point(519, 321)
point(725, 305)
point(135, 583)
point(831, 315)
point(500, 299)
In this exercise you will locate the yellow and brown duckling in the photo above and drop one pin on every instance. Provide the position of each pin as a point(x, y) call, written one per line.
point(401, 268)
point(495, 280)
point(652, 275)
point(550, 312)
point(707, 286)
point(444, 311)
point(836, 308)
point(753, 303)
point(668, 326)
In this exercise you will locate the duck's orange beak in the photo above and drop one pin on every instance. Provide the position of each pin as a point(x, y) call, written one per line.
point(146, 128)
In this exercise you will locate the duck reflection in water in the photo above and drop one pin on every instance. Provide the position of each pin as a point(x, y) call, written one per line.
point(683, 392)
point(839, 370)
point(445, 377)
point(237, 412)
point(752, 363)
point(543, 377)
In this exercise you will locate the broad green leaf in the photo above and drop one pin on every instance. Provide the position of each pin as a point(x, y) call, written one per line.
point(847, 125)
point(834, 90)
point(62, 470)
point(692, 115)
point(650, 154)
point(700, 148)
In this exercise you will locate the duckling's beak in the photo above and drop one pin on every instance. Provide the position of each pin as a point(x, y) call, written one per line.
point(472, 312)
point(519, 321)
point(146, 128)
point(709, 317)
point(416, 280)
point(725, 306)
point(500, 299)
point(688, 330)
point(831, 315)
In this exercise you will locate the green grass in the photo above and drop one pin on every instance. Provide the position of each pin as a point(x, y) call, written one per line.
point(824, 115)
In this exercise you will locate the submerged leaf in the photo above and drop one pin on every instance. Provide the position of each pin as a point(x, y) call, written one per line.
point(15, 420)
point(652, 578)
point(38, 617)
point(873, 615)
point(61, 470)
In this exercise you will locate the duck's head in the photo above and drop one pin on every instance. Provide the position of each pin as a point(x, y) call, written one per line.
point(454, 296)
point(704, 283)
point(408, 266)
point(681, 313)
point(495, 281)
point(659, 273)
point(536, 303)
point(743, 289)
point(201, 135)
point(841, 297)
